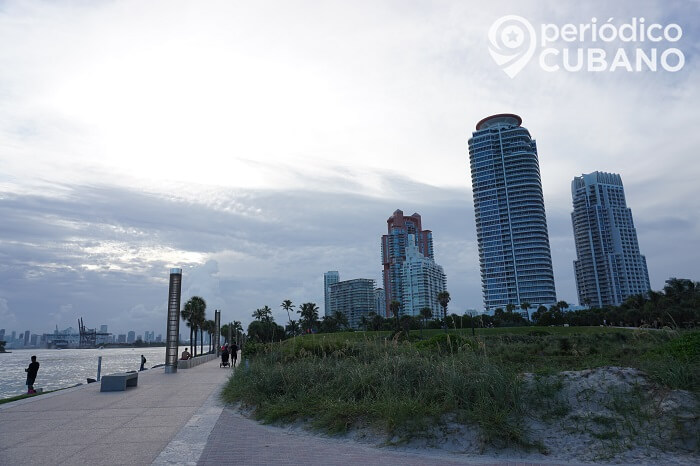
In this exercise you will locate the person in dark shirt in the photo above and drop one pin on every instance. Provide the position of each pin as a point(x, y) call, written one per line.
point(143, 362)
point(31, 375)
point(234, 354)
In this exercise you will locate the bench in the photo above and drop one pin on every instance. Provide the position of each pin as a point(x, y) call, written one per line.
point(119, 382)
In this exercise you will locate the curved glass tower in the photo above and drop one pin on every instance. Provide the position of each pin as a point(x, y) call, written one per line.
point(511, 227)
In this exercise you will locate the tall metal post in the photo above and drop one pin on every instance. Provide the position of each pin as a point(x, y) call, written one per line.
point(230, 329)
point(217, 332)
point(173, 331)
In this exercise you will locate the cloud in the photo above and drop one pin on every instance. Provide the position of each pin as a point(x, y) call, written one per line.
point(7, 318)
point(258, 151)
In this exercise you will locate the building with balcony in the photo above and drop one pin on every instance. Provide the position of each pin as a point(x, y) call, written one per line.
point(354, 299)
point(511, 226)
point(609, 267)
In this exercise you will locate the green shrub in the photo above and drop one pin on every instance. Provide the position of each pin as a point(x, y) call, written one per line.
point(446, 343)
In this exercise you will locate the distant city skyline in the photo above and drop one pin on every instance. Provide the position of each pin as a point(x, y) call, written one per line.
point(268, 148)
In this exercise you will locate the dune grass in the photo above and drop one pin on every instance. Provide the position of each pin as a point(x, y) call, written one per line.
point(344, 380)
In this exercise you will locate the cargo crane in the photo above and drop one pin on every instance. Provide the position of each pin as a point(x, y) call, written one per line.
point(88, 337)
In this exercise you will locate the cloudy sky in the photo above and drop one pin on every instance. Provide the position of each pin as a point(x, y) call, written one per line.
point(260, 144)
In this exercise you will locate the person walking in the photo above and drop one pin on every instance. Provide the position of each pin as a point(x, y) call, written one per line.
point(31, 375)
point(143, 362)
point(234, 354)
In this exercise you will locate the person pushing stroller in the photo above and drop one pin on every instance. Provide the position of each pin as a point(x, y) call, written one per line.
point(224, 357)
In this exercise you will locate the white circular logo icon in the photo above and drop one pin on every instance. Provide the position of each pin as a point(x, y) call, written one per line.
point(512, 43)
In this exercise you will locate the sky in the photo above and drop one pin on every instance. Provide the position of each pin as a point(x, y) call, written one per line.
point(259, 144)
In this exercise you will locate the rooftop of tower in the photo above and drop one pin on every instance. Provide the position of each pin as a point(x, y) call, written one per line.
point(500, 119)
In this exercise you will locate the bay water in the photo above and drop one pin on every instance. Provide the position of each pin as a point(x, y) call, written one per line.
point(67, 367)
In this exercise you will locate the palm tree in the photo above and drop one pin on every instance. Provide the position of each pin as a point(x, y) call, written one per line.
point(224, 332)
point(263, 314)
point(293, 327)
point(238, 329)
point(341, 319)
point(308, 313)
point(525, 306)
point(395, 308)
point(193, 313)
point(364, 322)
point(426, 313)
point(209, 327)
point(186, 315)
point(287, 306)
point(444, 299)
point(201, 319)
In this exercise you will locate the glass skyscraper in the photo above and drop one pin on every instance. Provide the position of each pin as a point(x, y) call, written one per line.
point(329, 278)
point(609, 267)
point(511, 226)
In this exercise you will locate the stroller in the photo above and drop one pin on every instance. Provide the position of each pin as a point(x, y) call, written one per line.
point(224, 359)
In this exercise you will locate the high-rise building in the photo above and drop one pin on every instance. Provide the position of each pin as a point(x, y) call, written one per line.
point(609, 267)
point(130, 336)
point(26, 338)
point(422, 280)
point(511, 226)
point(399, 226)
point(121, 338)
point(380, 301)
point(103, 329)
point(2, 334)
point(354, 298)
point(329, 278)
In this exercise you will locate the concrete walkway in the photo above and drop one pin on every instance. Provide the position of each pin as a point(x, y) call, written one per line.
point(238, 440)
point(84, 426)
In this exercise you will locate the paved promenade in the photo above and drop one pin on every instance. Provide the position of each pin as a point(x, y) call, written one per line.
point(175, 419)
point(81, 426)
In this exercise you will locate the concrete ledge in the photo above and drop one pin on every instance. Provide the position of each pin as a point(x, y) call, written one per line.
point(119, 382)
point(195, 361)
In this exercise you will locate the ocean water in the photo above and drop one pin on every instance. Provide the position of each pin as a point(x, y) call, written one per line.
point(67, 367)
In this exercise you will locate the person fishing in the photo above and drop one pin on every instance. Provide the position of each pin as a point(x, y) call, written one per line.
point(31, 375)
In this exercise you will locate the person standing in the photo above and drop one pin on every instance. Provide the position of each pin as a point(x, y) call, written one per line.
point(143, 362)
point(31, 374)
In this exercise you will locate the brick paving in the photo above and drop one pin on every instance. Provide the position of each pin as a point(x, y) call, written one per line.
point(241, 441)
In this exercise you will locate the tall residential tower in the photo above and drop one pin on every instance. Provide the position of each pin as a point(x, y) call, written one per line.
point(409, 271)
point(511, 227)
point(329, 278)
point(609, 267)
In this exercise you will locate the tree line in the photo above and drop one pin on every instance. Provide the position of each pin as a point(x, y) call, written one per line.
point(677, 305)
